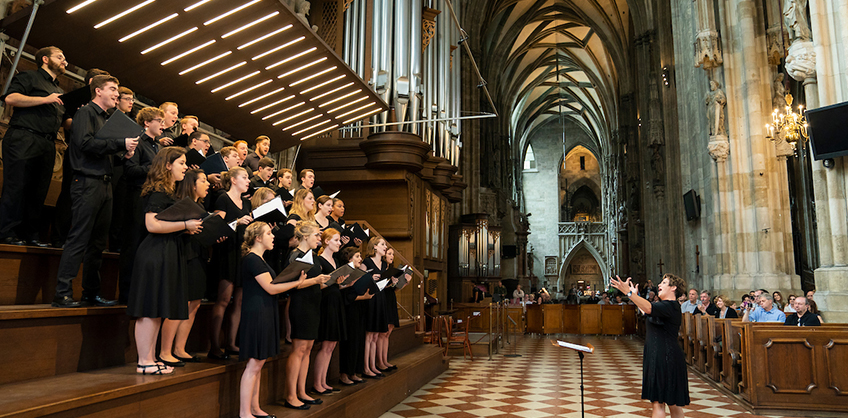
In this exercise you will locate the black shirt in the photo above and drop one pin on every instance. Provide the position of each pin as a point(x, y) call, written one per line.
point(257, 182)
point(251, 162)
point(136, 168)
point(88, 155)
point(43, 119)
point(808, 320)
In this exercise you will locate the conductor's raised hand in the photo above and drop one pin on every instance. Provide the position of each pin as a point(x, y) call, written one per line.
point(194, 226)
point(624, 286)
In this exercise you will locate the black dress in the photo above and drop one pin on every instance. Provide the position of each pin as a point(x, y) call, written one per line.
point(259, 329)
point(305, 305)
point(196, 258)
point(663, 366)
point(159, 286)
point(332, 325)
point(391, 306)
point(226, 256)
point(352, 349)
point(378, 320)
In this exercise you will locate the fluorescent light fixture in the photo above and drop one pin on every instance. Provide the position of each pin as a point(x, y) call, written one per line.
point(319, 132)
point(255, 22)
point(318, 86)
point(311, 127)
point(238, 80)
point(281, 111)
point(300, 54)
point(224, 71)
point(303, 67)
point(236, 10)
point(359, 117)
point(266, 36)
point(79, 6)
point(340, 98)
point(348, 104)
point(122, 14)
point(331, 91)
point(302, 122)
point(190, 51)
point(262, 97)
point(291, 117)
point(169, 40)
point(272, 105)
point(303, 80)
point(249, 89)
point(147, 28)
point(272, 50)
point(213, 59)
point(356, 110)
point(196, 5)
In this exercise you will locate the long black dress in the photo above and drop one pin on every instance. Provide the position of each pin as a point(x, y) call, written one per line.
point(352, 349)
point(259, 329)
point(196, 258)
point(378, 320)
point(159, 286)
point(226, 256)
point(305, 305)
point(664, 367)
point(391, 305)
point(332, 325)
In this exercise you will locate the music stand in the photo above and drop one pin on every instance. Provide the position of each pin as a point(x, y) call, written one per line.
point(580, 349)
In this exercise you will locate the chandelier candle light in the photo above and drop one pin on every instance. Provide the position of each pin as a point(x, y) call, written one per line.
point(790, 126)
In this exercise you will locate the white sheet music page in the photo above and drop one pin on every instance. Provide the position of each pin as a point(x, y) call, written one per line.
point(582, 348)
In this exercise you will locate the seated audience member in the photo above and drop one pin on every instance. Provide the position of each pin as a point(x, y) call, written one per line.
point(723, 310)
point(263, 175)
point(652, 297)
point(518, 294)
point(91, 195)
point(802, 316)
point(705, 307)
point(815, 309)
point(778, 300)
point(810, 293)
point(691, 305)
point(199, 142)
point(263, 144)
point(790, 306)
point(605, 299)
point(241, 147)
point(171, 129)
point(767, 313)
point(307, 179)
point(619, 300)
point(29, 148)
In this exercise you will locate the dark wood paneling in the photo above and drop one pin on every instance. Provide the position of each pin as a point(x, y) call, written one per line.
point(590, 319)
point(553, 318)
point(571, 319)
point(612, 319)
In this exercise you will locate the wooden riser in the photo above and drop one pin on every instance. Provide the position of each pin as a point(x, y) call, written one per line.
point(207, 390)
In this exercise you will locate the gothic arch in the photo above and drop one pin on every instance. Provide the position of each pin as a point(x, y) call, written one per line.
point(605, 270)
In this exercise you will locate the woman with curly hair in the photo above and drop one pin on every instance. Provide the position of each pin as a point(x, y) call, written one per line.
point(159, 286)
point(664, 380)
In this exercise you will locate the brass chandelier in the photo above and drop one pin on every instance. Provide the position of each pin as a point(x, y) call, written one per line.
point(790, 126)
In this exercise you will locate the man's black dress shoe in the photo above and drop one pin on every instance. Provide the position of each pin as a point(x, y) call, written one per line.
point(97, 301)
point(65, 302)
point(12, 241)
point(302, 407)
point(37, 243)
point(312, 402)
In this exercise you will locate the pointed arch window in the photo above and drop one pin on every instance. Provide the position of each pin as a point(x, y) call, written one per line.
point(529, 159)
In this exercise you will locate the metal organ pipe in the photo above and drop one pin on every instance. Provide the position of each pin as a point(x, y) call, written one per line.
point(401, 59)
point(415, 58)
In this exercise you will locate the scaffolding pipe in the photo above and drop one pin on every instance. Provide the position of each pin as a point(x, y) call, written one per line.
point(35, 5)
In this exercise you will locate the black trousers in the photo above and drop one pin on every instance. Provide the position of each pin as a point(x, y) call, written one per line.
point(62, 219)
point(91, 209)
point(27, 169)
point(133, 222)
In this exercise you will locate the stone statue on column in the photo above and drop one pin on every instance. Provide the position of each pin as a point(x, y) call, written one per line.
point(801, 56)
point(795, 18)
point(716, 101)
point(301, 9)
point(778, 92)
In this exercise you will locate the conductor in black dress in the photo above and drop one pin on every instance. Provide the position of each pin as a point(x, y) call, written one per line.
point(664, 380)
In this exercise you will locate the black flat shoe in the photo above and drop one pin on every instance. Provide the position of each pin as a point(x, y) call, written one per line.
point(357, 382)
point(192, 359)
point(368, 376)
point(231, 352)
point(316, 392)
point(302, 407)
point(352, 382)
point(265, 416)
point(334, 390)
point(218, 356)
point(393, 368)
point(312, 402)
point(178, 363)
point(386, 370)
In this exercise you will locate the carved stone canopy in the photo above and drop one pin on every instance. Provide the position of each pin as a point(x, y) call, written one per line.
point(708, 50)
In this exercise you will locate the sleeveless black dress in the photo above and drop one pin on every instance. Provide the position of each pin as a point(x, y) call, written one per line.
point(305, 305)
point(226, 256)
point(378, 320)
point(259, 329)
point(332, 326)
point(664, 367)
point(159, 285)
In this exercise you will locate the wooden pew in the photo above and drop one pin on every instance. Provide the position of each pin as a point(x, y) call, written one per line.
point(701, 342)
point(794, 368)
point(731, 373)
point(715, 334)
point(690, 340)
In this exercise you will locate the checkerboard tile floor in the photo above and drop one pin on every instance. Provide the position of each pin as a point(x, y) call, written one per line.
point(545, 382)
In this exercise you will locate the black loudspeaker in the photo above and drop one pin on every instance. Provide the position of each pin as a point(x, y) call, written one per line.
point(508, 251)
point(692, 203)
point(828, 136)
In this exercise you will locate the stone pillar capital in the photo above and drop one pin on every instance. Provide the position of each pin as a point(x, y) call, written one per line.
point(801, 60)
